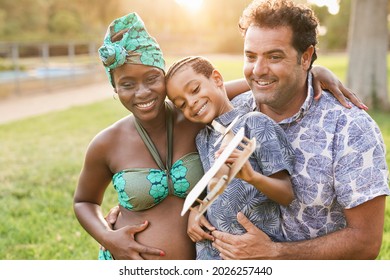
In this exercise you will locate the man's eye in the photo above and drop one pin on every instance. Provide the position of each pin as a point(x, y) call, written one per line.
point(275, 57)
point(250, 57)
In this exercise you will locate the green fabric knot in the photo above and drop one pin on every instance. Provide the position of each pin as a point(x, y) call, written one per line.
point(113, 55)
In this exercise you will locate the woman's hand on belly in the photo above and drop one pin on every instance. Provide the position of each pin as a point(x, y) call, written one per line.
point(123, 246)
point(166, 230)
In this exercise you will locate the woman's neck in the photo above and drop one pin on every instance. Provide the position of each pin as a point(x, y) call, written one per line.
point(155, 125)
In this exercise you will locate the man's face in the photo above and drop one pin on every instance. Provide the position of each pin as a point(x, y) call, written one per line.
point(273, 68)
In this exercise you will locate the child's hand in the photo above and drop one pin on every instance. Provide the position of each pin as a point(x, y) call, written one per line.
point(220, 150)
point(200, 229)
point(246, 172)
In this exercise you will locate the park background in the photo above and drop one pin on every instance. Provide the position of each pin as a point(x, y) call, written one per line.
point(47, 46)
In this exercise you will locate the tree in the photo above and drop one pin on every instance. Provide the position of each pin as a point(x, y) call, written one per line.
point(336, 26)
point(367, 48)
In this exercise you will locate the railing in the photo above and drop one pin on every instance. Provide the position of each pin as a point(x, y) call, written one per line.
point(28, 68)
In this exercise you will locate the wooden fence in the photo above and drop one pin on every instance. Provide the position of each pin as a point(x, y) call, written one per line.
point(28, 68)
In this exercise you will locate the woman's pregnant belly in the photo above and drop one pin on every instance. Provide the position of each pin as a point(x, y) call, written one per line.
point(167, 230)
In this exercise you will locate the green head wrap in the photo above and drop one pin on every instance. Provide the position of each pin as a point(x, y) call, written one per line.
point(135, 47)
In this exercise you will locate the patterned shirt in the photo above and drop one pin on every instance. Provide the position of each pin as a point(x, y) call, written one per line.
point(273, 153)
point(340, 163)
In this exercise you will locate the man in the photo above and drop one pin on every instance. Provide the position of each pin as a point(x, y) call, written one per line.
point(340, 176)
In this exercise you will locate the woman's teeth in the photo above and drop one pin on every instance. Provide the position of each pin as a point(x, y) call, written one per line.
point(145, 105)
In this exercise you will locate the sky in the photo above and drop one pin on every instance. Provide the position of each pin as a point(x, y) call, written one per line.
point(192, 5)
point(333, 5)
point(195, 5)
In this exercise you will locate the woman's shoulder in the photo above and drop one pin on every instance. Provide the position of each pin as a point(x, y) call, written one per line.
point(112, 133)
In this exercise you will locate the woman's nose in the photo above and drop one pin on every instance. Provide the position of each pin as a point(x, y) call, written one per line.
point(142, 89)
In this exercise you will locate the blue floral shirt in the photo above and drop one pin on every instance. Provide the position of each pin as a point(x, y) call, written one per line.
point(340, 163)
point(273, 153)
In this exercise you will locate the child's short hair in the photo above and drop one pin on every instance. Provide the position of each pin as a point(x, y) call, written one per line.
point(199, 64)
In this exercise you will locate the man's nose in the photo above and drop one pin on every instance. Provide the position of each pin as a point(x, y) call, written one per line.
point(260, 67)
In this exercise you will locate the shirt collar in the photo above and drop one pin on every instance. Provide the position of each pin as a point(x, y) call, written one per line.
point(227, 118)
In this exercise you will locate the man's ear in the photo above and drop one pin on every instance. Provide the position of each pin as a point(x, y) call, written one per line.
point(217, 78)
point(306, 57)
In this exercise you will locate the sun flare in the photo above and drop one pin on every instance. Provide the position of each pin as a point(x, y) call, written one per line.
point(333, 5)
point(191, 5)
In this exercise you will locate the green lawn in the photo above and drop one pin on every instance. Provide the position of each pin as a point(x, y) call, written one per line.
point(40, 160)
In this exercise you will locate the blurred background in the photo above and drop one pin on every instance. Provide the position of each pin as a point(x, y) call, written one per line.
point(49, 60)
point(179, 25)
point(46, 44)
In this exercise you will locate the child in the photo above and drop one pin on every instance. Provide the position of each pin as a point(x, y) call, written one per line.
point(196, 87)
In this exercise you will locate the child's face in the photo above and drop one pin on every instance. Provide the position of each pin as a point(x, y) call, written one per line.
point(200, 99)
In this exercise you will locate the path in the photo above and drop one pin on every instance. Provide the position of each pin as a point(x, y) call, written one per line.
point(16, 108)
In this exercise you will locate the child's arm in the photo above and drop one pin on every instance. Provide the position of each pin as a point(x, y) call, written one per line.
point(200, 229)
point(236, 87)
point(277, 186)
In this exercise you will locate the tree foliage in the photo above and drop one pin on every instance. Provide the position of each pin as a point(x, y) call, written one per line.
point(213, 29)
point(175, 27)
point(55, 20)
point(336, 36)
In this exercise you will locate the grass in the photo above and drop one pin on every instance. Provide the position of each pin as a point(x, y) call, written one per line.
point(40, 161)
point(383, 121)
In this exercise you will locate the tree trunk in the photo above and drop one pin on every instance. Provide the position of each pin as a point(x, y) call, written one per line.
point(367, 48)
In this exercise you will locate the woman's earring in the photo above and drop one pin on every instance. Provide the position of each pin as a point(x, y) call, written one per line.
point(115, 95)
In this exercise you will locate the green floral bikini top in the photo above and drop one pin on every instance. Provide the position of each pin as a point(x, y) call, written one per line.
point(142, 188)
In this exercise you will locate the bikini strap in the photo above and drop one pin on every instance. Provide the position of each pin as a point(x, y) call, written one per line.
point(169, 111)
point(150, 145)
